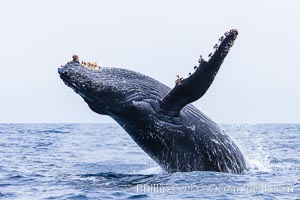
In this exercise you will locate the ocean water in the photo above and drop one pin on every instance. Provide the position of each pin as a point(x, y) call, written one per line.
point(94, 161)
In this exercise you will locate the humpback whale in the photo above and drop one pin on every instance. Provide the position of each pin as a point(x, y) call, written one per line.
point(162, 121)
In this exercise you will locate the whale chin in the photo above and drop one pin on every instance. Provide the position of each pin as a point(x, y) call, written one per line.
point(75, 87)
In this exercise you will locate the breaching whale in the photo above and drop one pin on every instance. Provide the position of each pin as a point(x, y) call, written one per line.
point(162, 121)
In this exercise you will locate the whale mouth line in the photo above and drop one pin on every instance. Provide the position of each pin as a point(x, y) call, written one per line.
point(85, 95)
point(69, 83)
point(88, 96)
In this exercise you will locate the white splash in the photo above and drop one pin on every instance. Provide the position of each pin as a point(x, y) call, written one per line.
point(152, 170)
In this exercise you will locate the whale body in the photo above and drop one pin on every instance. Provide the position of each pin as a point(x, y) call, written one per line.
point(161, 120)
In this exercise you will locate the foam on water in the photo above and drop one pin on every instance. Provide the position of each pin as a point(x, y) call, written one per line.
point(151, 170)
point(258, 165)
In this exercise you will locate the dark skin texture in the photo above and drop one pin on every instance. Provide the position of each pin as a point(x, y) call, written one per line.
point(195, 86)
point(161, 120)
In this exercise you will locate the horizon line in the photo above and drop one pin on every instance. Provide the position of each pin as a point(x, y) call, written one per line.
point(105, 123)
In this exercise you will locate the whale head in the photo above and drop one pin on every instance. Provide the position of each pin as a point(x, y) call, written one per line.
point(111, 91)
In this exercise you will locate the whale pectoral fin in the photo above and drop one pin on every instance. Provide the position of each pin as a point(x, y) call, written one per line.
point(195, 86)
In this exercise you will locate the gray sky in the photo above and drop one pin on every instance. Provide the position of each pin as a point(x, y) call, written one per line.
point(258, 82)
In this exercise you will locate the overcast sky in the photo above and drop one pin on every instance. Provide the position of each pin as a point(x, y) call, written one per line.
point(258, 82)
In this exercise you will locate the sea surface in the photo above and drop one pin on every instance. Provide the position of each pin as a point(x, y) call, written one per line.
point(94, 161)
